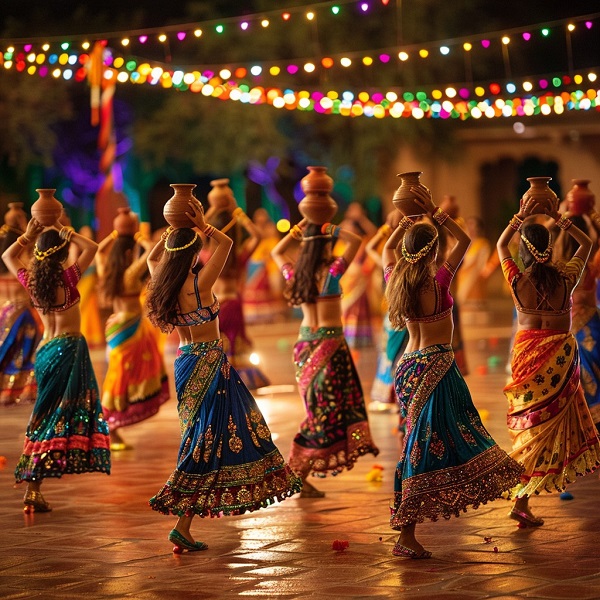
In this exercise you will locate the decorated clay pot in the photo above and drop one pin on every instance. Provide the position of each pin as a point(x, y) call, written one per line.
point(46, 209)
point(547, 200)
point(16, 217)
point(126, 222)
point(176, 207)
point(317, 206)
point(221, 195)
point(580, 199)
point(404, 199)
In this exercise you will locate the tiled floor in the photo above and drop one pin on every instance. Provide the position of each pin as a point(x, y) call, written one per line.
point(103, 541)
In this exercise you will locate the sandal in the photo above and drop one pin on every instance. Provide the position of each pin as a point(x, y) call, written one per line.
point(524, 519)
point(400, 550)
point(181, 543)
point(34, 502)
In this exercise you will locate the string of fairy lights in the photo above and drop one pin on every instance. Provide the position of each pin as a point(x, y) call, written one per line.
point(69, 58)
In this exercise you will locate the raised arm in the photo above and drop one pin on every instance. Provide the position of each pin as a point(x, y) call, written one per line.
point(86, 248)
point(254, 235)
point(584, 241)
point(463, 241)
point(104, 248)
point(214, 265)
point(13, 255)
point(280, 252)
point(353, 241)
point(514, 226)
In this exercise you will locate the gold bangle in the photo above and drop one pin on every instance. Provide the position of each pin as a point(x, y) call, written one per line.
point(208, 231)
point(439, 216)
point(237, 212)
point(564, 223)
point(23, 241)
point(114, 234)
point(66, 232)
point(515, 223)
point(137, 236)
point(296, 232)
point(406, 223)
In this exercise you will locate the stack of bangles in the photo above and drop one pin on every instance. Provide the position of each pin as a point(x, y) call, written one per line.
point(23, 241)
point(296, 232)
point(439, 216)
point(240, 216)
point(137, 236)
point(516, 223)
point(66, 232)
point(595, 217)
point(330, 229)
point(564, 223)
point(208, 231)
point(406, 223)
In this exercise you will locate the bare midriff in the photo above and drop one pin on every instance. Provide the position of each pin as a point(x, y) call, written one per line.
point(423, 334)
point(326, 312)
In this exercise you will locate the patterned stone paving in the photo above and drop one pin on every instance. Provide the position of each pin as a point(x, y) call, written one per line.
point(103, 541)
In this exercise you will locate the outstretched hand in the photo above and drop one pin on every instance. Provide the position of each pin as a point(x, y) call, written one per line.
point(196, 216)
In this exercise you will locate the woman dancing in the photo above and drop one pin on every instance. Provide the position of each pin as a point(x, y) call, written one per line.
point(449, 461)
point(227, 462)
point(552, 431)
point(67, 432)
point(335, 431)
point(20, 327)
point(136, 383)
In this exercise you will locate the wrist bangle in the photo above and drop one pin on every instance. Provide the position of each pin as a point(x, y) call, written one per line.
point(406, 223)
point(515, 223)
point(564, 223)
point(23, 241)
point(137, 236)
point(296, 232)
point(208, 231)
point(439, 216)
point(66, 232)
point(114, 234)
point(237, 212)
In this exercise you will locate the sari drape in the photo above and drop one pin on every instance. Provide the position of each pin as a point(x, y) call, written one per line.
point(227, 461)
point(449, 462)
point(335, 431)
point(67, 432)
point(551, 427)
point(136, 384)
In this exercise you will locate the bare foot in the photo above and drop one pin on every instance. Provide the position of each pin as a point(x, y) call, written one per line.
point(310, 491)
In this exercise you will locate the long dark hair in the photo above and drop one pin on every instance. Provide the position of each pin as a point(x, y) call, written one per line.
point(118, 260)
point(46, 275)
point(169, 277)
point(302, 287)
point(546, 276)
point(409, 280)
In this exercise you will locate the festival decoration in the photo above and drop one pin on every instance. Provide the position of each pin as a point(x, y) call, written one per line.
point(508, 97)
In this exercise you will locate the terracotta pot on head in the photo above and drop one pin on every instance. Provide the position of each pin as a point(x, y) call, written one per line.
point(15, 216)
point(580, 199)
point(220, 196)
point(317, 206)
point(126, 222)
point(404, 199)
point(47, 210)
point(176, 207)
point(539, 190)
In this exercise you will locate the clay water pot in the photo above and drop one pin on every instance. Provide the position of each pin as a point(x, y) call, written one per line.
point(220, 196)
point(317, 206)
point(580, 199)
point(126, 222)
point(547, 200)
point(404, 199)
point(46, 209)
point(15, 216)
point(176, 207)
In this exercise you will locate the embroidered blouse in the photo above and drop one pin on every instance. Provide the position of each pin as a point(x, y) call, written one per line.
point(70, 277)
point(199, 316)
point(571, 274)
point(331, 287)
point(443, 298)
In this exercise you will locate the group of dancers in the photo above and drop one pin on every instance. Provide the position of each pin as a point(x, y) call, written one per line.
point(227, 463)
